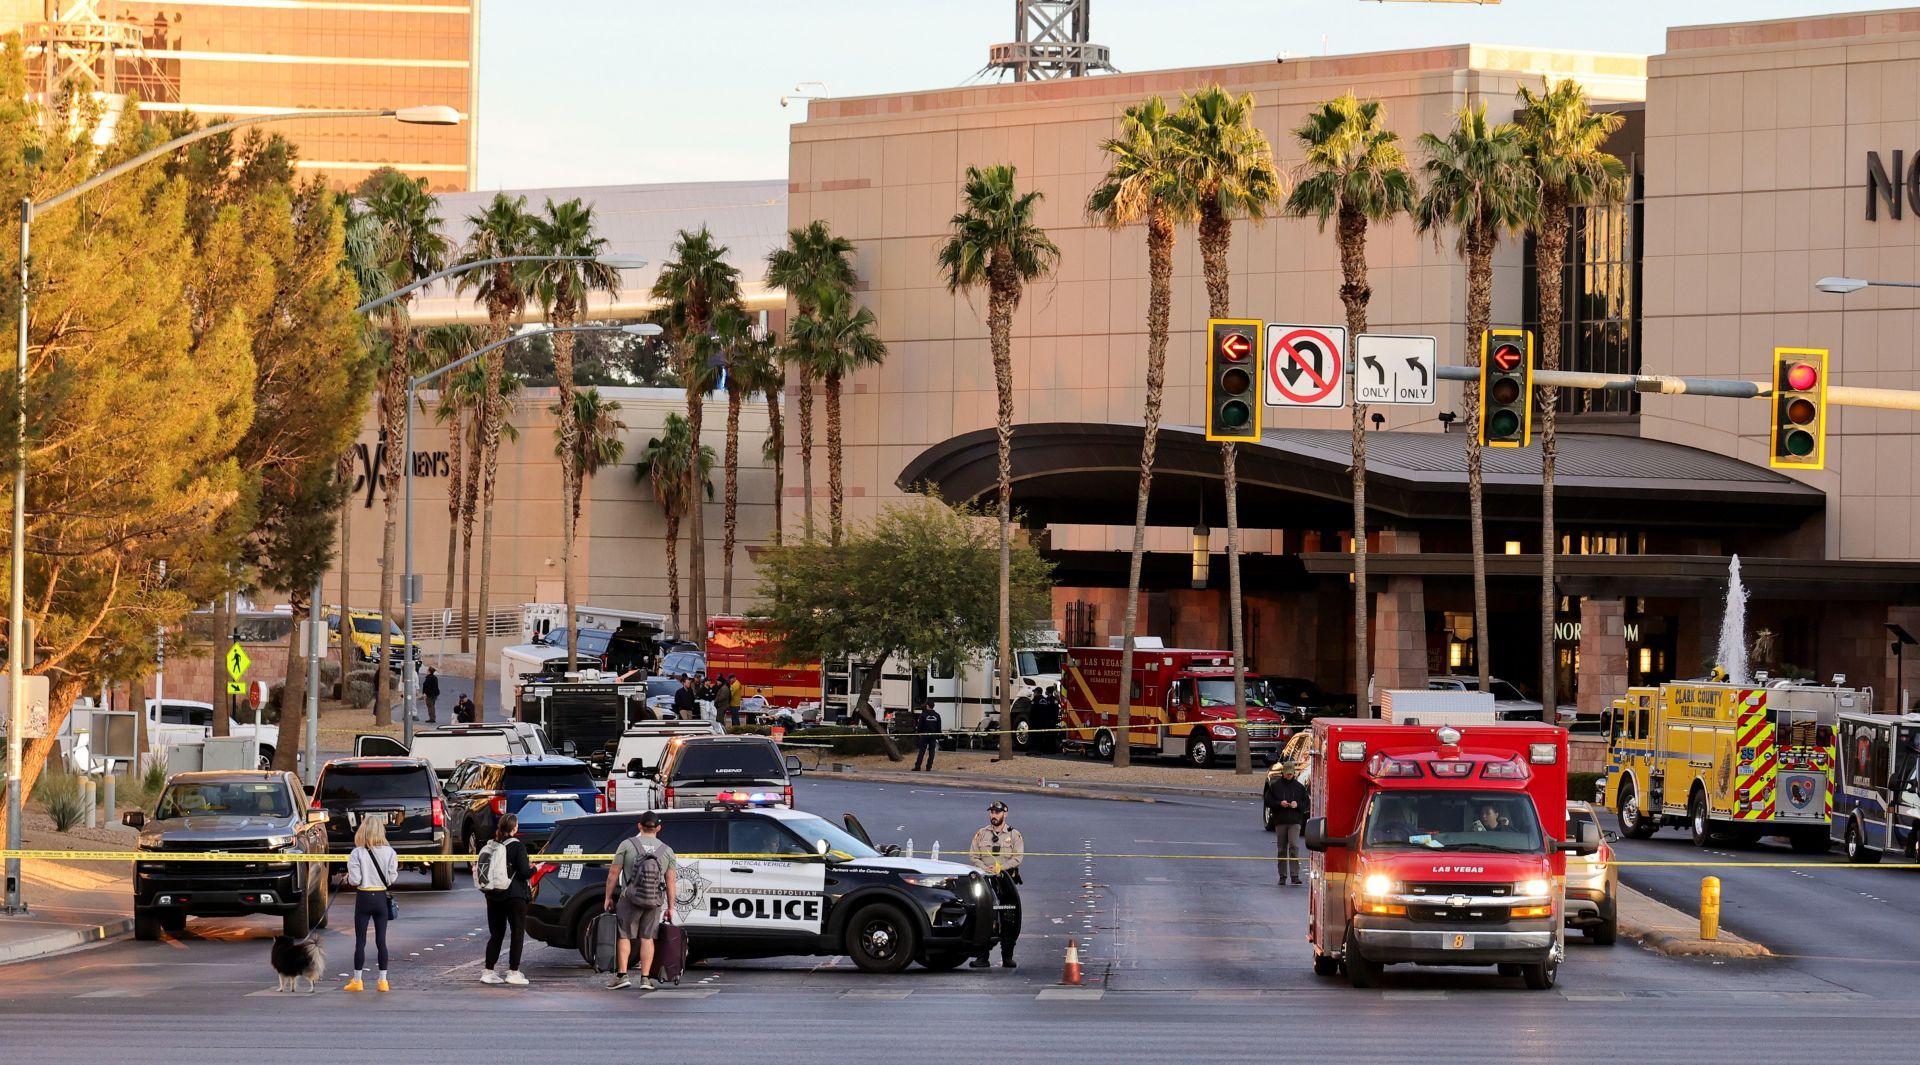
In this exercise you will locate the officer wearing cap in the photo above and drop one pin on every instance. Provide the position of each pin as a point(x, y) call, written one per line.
point(997, 851)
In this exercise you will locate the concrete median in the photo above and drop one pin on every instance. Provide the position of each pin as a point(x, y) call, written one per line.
point(1672, 932)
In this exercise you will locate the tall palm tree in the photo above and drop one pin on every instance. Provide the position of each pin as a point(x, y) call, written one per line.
point(562, 287)
point(1231, 173)
point(840, 337)
point(665, 465)
point(600, 442)
point(361, 250)
point(1563, 139)
point(997, 243)
point(1145, 181)
point(409, 246)
point(1479, 186)
point(763, 372)
point(813, 260)
point(734, 344)
point(1355, 174)
point(443, 344)
point(503, 227)
point(694, 283)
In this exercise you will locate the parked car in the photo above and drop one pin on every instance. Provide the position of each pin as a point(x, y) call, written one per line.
point(401, 791)
point(259, 818)
point(697, 770)
point(1593, 881)
point(540, 790)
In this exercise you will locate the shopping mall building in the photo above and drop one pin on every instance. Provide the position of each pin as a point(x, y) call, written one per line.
point(1749, 149)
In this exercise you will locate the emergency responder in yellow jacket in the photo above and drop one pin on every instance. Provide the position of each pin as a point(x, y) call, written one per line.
point(997, 851)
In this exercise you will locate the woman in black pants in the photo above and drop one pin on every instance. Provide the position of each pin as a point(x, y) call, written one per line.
point(507, 907)
point(371, 870)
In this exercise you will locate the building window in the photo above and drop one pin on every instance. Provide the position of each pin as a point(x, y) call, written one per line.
point(1603, 542)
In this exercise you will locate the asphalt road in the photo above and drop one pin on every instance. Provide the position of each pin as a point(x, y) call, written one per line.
point(1198, 959)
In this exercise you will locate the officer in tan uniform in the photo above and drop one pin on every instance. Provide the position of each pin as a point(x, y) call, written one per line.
point(997, 851)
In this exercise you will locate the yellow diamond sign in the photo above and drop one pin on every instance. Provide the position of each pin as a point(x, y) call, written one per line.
point(237, 662)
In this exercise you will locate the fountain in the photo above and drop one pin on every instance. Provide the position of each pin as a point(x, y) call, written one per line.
point(1732, 655)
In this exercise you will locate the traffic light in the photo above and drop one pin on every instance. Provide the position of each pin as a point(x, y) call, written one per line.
point(1233, 379)
point(1506, 387)
point(1799, 409)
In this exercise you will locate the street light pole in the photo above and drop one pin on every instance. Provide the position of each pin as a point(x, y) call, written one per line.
point(433, 115)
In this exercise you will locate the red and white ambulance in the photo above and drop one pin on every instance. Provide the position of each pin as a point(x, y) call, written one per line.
point(1181, 704)
point(1439, 845)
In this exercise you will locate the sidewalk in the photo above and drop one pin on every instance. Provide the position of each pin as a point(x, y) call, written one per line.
point(69, 904)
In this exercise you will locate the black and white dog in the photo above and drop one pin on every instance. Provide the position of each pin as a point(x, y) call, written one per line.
point(295, 958)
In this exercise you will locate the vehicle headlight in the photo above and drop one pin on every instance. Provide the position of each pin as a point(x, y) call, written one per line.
point(1223, 731)
point(929, 880)
point(1533, 887)
point(1378, 885)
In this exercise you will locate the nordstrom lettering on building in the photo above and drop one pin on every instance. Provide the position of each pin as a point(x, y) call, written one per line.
point(1886, 183)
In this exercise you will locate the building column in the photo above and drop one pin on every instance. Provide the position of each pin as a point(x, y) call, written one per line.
point(1603, 654)
point(1400, 623)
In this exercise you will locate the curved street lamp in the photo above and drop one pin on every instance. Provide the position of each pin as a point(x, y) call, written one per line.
point(1841, 286)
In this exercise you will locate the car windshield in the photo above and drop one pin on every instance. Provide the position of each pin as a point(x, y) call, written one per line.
point(1506, 693)
point(813, 830)
point(1501, 822)
point(363, 783)
point(592, 641)
point(1039, 663)
point(371, 626)
point(546, 778)
point(1219, 692)
point(251, 798)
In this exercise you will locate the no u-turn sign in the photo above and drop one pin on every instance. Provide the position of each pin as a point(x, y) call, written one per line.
point(1306, 365)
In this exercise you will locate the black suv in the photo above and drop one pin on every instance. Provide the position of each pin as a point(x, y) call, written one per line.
point(403, 792)
point(540, 790)
point(256, 817)
point(764, 882)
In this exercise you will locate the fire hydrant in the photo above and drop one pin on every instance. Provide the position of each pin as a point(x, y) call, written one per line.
point(1710, 907)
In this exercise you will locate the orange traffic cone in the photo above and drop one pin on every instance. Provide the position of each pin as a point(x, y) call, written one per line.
point(1071, 975)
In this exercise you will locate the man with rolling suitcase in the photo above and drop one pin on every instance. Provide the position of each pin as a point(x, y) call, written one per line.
point(644, 879)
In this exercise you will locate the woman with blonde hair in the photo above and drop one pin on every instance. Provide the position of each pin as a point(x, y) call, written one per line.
point(371, 870)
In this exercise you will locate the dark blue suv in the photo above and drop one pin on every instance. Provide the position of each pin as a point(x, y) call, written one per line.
point(540, 790)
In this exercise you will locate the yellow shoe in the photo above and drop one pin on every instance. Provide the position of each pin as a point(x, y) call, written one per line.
point(382, 986)
point(354, 985)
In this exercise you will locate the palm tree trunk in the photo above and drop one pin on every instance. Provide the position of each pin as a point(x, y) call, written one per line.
point(1479, 310)
point(344, 471)
point(491, 415)
point(469, 508)
point(1160, 236)
point(734, 396)
point(1216, 236)
point(568, 431)
point(1355, 295)
point(696, 519)
point(673, 570)
point(776, 431)
point(835, 488)
point(393, 401)
point(1549, 255)
point(806, 453)
point(1003, 296)
point(455, 489)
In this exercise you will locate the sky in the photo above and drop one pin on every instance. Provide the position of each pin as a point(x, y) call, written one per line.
point(641, 91)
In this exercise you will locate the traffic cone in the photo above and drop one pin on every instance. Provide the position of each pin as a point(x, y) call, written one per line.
point(1071, 974)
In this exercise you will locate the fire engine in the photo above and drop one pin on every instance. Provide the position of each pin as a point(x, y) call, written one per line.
point(1437, 845)
point(1182, 704)
point(742, 648)
point(1727, 761)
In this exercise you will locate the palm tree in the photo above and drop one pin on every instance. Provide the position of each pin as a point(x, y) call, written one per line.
point(1479, 185)
point(598, 444)
point(1230, 171)
point(666, 466)
point(763, 372)
point(1562, 139)
point(443, 344)
point(694, 283)
point(996, 243)
point(814, 260)
point(1145, 181)
point(1355, 174)
point(753, 369)
point(562, 287)
point(734, 343)
point(361, 251)
point(840, 337)
point(409, 246)
point(503, 228)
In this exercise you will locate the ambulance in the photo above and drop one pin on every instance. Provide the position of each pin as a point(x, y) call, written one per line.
point(1182, 704)
point(1439, 845)
point(1727, 762)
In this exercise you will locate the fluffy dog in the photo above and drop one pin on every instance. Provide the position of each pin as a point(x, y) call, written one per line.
point(295, 958)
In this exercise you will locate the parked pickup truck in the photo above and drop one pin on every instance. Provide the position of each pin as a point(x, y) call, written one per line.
point(640, 749)
point(448, 746)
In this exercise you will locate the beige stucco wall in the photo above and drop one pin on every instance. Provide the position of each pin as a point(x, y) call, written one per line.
point(1757, 142)
point(886, 172)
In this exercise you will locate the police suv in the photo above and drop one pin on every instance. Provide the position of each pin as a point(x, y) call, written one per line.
point(782, 882)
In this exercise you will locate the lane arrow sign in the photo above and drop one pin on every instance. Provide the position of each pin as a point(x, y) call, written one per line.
point(1374, 365)
point(1419, 366)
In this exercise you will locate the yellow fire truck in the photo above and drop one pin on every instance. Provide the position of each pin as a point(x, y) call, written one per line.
point(1727, 762)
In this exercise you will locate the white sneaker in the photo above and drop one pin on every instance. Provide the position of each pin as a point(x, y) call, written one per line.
point(491, 977)
point(516, 978)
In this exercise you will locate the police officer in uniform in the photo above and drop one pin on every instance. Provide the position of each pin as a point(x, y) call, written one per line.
point(927, 728)
point(997, 851)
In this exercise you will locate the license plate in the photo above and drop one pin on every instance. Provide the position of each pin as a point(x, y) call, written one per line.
point(552, 807)
point(1459, 940)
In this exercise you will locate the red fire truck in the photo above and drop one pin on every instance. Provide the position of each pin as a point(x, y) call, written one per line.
point(739, 647)
point(1182, 704)
point(1437, 845)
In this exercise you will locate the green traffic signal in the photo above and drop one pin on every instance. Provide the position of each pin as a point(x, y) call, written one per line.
point(1235, 413)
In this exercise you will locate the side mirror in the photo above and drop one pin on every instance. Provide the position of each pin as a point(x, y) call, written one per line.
point(890, 850)
point(1587, 843)
point(820, 847)
point(1610, 836)
point(648, 772)
point(793, 764)
point(317, 817)
point(134, 819)
point(1315, 836)
point(634, 767)
point(569, 749)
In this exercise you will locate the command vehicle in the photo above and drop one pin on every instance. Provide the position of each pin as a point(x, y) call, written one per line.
point(1182, 704)
point(741, 647)
point(1725, 761)
point(584, 714)
point(1876, 801)
point(828, 893)
point(1437, 845)
point(966, 694)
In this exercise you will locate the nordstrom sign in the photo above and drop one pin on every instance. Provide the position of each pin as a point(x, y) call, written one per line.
point(1892, 184)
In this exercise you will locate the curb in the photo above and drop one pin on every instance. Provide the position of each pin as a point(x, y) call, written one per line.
point(1666, 943)
point(64, 940)
point(1146, 793)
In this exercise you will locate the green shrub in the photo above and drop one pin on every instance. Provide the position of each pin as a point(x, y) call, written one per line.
point(329, 673)
point(64, 798)
point(154, 780)
point(358, 691)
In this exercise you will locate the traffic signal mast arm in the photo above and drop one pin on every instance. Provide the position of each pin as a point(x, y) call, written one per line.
point(1838, 395)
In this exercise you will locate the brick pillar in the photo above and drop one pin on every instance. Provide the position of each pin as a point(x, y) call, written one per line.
point(1603, 654)
point(1400, 622)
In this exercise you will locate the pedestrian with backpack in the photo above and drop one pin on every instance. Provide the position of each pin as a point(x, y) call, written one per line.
point(502, 872)
point(645, 880)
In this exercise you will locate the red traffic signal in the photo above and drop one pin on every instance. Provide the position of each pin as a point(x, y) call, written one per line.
point(1506, 388)
point(1799, 435)
point(1507, 357)
point(1235, 346)
point(1233, 380)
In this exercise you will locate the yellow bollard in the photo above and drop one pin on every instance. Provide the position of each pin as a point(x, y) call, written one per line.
point(1709, 907)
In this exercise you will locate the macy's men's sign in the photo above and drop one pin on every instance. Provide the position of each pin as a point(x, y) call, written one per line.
point(371, 476)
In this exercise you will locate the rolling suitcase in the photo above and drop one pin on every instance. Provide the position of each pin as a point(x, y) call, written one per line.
point(669, 953)
point(603, 942)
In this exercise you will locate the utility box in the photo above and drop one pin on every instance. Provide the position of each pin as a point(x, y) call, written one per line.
point(1423, 707)
point(229, 753)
